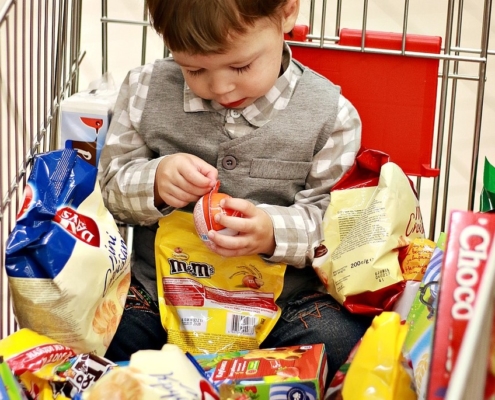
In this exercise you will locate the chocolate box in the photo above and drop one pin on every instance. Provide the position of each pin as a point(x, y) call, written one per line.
point(469, 239)
point(294, 372)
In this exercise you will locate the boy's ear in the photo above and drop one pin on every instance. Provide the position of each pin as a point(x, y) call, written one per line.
point(290, 12)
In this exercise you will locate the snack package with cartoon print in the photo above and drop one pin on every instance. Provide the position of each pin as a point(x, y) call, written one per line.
point(421, 320)
point(365, 226)
point(210, 303)
point(292, 372)
point(46, 369)
point(67, 264)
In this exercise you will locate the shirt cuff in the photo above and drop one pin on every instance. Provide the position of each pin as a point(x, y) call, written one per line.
point(291, 236)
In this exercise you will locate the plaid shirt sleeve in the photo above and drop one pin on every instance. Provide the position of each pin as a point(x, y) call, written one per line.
point(127, 166)
point(299, 228)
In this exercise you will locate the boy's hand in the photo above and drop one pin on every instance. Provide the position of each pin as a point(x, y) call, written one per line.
point(255, 230)
point(183, 178)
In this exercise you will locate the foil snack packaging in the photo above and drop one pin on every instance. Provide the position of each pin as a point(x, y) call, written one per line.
point(66, 262)
point(210, 303)
point(47, 370)
point(365, 228)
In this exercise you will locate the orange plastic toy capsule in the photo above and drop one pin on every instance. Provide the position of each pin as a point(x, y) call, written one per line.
point(204, 214)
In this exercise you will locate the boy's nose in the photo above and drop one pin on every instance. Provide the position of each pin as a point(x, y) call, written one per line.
point(221, 85)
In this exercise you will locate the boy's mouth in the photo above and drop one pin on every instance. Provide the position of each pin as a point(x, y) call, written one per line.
point(233, 104)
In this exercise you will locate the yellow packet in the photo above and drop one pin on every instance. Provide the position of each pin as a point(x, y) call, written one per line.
point(49, 370)
point(417, 258)
point(210, 303)
point(377, 372)
point(33, 358)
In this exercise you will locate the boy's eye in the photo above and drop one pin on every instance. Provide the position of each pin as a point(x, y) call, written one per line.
point(240, 70)
point(195, 73)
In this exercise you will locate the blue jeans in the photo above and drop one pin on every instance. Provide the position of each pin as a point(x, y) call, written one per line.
point(316, 317)
point(311, 318)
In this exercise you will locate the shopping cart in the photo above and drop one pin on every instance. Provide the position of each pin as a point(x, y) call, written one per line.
point(416, 79)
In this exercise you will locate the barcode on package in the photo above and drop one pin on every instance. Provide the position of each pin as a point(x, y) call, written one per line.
point(238, 324)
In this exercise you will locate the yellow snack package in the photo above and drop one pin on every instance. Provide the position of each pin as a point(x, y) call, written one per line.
point(365, 228)
point(210, 303)
point(49, 370)
point(377, 371)
point(416, 259)
point(33, 358)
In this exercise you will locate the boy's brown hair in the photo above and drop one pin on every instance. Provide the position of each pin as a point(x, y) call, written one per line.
point(207, 26)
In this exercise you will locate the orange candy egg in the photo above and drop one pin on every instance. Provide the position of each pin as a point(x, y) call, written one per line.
point(204, 214)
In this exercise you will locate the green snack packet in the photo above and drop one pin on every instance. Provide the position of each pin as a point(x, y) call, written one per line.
point(487, 198)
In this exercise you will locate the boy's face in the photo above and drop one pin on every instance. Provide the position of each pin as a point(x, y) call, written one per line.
point(244, 73)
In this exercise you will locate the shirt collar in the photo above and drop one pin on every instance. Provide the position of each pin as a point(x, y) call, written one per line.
point(260, 111)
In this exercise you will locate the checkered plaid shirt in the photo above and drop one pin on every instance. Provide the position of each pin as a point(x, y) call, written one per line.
point(127, 166)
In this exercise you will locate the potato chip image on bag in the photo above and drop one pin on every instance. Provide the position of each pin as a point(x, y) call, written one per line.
point(67, 264)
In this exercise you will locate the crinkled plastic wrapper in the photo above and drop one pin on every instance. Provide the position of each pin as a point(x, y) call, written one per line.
point(67, 264)
point(154, 374)
point(210, 303)
point(49, 370)
point(364, 229)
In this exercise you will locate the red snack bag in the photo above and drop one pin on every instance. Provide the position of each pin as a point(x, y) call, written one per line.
point(365, 171)
point(373, 213)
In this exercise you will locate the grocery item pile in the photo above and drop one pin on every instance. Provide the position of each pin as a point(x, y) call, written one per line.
point(374, 260)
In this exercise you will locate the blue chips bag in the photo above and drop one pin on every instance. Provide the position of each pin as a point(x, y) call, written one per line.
point(67, 264)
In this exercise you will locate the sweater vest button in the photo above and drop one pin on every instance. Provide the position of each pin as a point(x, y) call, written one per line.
point(229, 162)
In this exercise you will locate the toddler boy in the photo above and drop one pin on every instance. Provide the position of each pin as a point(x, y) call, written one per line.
point(232, 105)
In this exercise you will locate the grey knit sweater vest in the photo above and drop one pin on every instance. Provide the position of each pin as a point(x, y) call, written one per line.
point(269, 165)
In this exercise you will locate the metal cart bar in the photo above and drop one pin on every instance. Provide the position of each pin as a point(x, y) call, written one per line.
point(39, 60)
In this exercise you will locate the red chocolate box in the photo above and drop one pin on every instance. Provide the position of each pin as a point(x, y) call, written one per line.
point(469, 239)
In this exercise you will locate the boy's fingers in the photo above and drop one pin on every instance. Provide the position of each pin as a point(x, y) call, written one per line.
point(245, 207)
point(225, 243)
